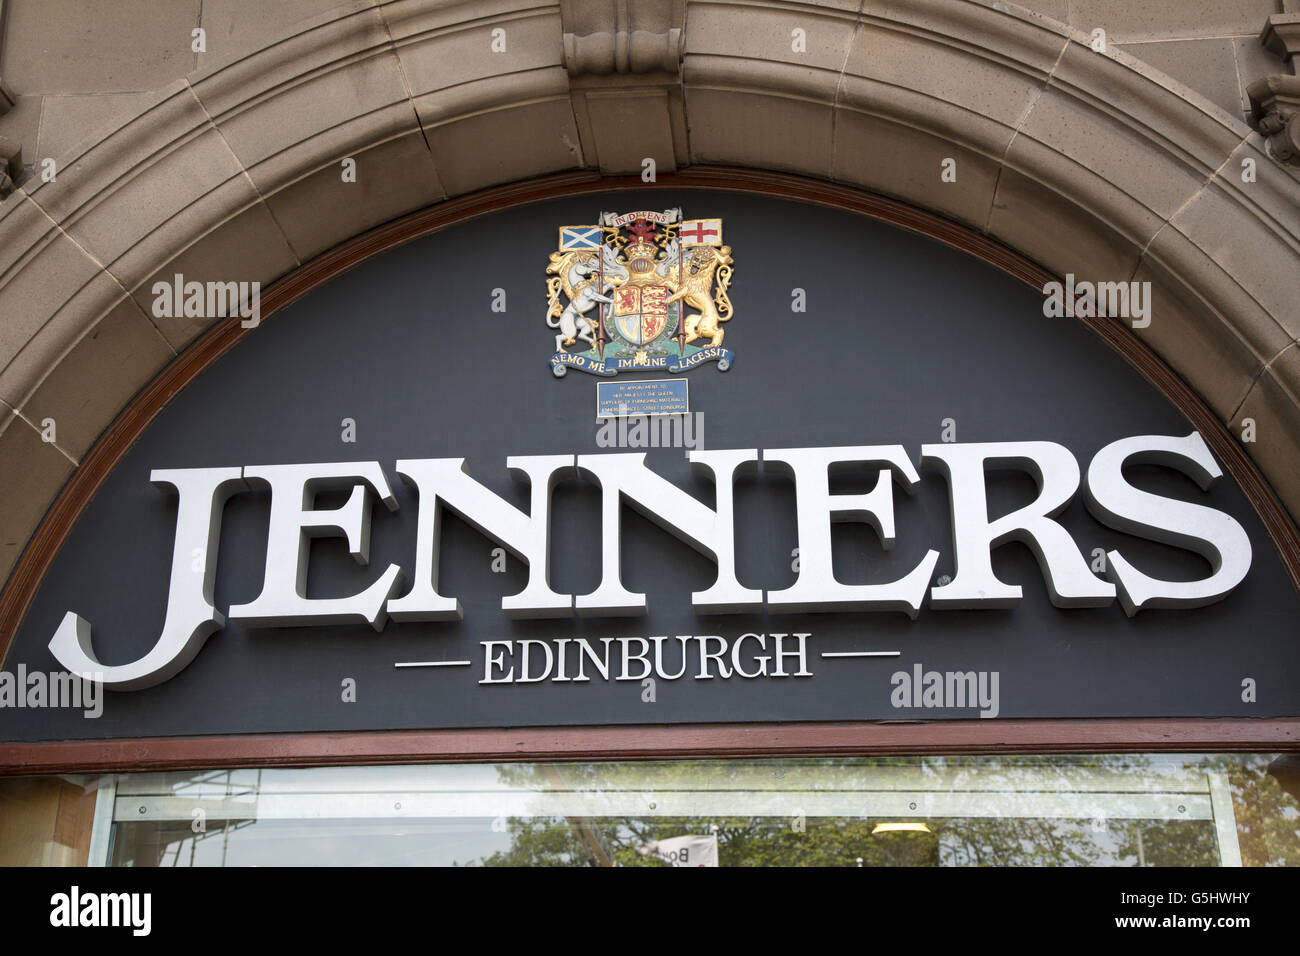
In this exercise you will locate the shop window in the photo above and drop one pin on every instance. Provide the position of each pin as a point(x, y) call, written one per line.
point(1105, 810)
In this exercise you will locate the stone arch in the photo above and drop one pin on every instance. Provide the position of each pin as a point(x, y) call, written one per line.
point(1087, 163)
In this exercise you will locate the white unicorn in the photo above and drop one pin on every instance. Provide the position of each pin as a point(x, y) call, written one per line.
point(577, 274)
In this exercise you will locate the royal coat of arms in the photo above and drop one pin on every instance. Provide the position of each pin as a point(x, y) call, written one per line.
point(641, 291)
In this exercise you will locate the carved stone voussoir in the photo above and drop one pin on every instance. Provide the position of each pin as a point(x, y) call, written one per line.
point(603, 37)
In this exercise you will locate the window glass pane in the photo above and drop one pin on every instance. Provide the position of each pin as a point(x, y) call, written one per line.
point(1105, 810)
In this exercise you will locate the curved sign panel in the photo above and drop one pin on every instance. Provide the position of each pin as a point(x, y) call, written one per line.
point(660, 457)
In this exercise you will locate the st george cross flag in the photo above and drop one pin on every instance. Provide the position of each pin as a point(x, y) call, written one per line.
point(701, 232)
point(684, 850)
point(579, 237)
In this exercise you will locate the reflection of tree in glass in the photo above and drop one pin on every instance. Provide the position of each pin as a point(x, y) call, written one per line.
point(985, 841)
point(1014, 835)
point(752, 841)
point(1166, 843)
point(540, 841)
point(1268, 817)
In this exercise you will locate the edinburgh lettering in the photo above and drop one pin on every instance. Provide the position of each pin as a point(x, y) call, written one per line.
point(699, 657)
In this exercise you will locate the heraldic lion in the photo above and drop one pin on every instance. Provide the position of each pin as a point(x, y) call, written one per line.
point(695, 289)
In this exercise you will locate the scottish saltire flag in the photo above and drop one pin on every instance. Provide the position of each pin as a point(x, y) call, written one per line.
point(579, 237)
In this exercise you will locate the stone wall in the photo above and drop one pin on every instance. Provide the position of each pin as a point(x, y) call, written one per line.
point(79, 68)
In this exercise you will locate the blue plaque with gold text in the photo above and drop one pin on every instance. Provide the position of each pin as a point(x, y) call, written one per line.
point(665, 396)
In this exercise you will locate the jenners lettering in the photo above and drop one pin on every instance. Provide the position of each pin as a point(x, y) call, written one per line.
point(294, 519)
